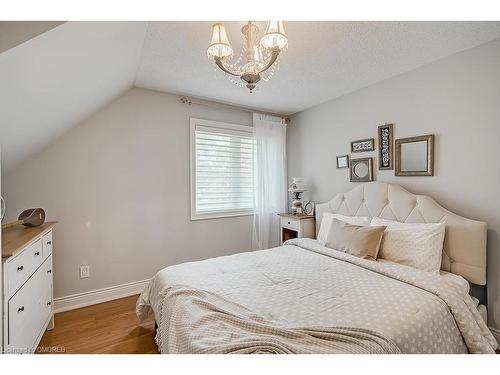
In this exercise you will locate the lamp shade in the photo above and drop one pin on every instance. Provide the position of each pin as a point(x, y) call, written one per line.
point(298, 185)
point(219, 45)
point(274, 36)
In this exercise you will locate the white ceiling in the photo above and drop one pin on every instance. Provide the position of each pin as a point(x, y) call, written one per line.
point(52, 82)
point(325, 59)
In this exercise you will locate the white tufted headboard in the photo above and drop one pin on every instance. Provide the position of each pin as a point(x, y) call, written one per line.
point(465, 240)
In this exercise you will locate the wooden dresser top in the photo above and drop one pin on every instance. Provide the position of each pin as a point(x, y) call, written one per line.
point(15, 238)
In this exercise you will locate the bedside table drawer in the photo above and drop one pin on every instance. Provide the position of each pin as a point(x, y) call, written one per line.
point(290, 223)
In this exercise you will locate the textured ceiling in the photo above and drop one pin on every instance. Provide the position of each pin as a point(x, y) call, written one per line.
point(52, 82)
point(55, 80)
point(324, 60)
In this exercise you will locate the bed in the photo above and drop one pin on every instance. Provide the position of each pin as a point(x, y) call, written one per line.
point(303, 297)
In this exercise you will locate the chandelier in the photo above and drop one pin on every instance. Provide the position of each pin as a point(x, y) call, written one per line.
point(259, 57)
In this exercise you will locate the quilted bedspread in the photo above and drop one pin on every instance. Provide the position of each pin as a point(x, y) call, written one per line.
point(306, 298)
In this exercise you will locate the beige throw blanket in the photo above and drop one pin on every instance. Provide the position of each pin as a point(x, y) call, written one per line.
point(200, 322)
point(306, 298)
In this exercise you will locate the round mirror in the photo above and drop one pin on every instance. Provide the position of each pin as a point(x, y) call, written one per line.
point(361, 170)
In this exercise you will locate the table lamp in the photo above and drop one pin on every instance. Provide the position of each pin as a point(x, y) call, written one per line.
point(297, 187)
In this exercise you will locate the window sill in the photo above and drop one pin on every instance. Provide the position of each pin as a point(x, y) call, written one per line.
point(196, 217)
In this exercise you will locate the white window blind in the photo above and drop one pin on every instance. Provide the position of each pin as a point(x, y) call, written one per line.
point(222, 169)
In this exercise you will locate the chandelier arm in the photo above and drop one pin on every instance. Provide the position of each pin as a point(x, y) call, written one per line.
point(220, 64)
point(274, 56)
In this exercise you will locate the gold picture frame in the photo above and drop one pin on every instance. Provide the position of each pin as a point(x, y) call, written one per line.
point(418, 162)
point(361, 170)
point(342, 161)
point(363, 145)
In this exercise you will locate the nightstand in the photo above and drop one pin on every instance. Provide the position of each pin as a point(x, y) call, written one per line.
point(293, 226)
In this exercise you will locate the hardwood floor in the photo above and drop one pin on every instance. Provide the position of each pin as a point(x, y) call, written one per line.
point(110, 327)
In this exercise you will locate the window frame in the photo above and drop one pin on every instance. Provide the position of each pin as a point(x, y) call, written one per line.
point(193, 122)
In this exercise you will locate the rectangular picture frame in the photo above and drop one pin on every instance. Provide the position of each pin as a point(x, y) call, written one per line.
point(342, 161)
point(308, 208)
point(429, 170)
point(366, 167)
point(386, 147)
point(363, 145)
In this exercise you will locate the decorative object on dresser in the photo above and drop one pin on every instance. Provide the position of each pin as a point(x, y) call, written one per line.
point(32, 217)
point(342, 161)
point(293, 226)
point(415, 156)
point(297, 187)
point(27, 289)
point(363, 145)
point(385, 147)
point(361, 170)
point(2, 209)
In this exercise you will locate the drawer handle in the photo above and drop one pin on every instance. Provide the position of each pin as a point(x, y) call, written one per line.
point(20, 268)
point(288, 223)
point(37, 253)
point(20, 309)
point(49, 271)
point(49, 303)
point(49, 242)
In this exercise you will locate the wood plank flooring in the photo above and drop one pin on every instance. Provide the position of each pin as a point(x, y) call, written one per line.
point(110, 327)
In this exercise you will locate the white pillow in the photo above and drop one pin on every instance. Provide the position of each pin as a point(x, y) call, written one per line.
point(412, 244)
point(326, 223)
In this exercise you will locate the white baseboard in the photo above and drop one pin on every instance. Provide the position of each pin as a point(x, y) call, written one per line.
point(496, 334)
point(94, 297)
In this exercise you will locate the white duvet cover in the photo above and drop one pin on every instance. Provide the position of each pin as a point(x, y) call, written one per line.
point(305, 298)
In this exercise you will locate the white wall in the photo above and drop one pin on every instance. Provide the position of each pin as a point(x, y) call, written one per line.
point(118, 184)
point(1, 270)
point(458, 99)
point(56, 80)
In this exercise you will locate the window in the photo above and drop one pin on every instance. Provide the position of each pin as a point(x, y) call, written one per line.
point(222, 169)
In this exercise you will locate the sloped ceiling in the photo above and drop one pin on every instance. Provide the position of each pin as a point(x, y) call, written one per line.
point(52, 82)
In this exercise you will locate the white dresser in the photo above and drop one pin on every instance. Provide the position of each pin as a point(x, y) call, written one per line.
point(27, 295)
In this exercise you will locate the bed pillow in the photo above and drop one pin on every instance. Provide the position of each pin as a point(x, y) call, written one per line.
point(361, 241)
point(326, 222)
point(412, 244)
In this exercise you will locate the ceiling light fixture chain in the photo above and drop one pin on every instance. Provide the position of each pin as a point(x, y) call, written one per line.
point(259, 58)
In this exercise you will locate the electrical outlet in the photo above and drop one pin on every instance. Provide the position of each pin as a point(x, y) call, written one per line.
point(84, 272)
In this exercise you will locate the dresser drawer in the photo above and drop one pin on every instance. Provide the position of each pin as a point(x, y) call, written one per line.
point(290, 223)
point(20, 268)
point(44, 299)
point(47, 244)
point(29, 309)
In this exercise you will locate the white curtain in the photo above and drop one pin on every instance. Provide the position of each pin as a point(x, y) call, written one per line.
point(270, 190)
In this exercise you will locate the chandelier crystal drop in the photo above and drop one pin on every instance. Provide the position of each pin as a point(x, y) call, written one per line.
point(259, 57)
